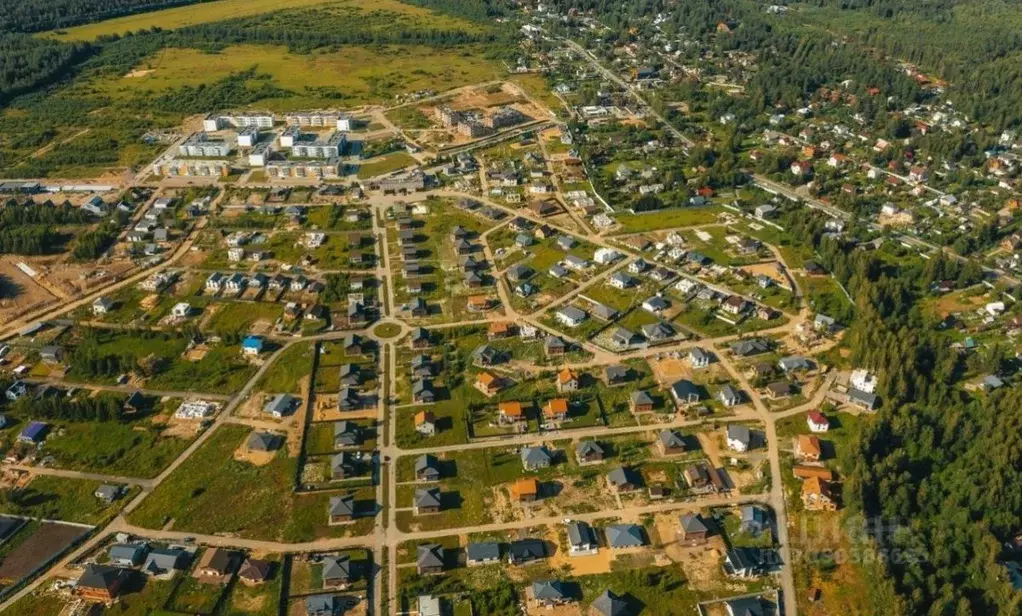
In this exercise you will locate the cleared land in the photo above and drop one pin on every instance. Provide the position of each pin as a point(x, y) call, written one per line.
point(363, 74)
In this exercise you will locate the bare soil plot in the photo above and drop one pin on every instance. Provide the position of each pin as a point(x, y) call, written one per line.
point(49, 539)
point(21, 293)
point(769, 269)
point(255, 458)
point(669, 370)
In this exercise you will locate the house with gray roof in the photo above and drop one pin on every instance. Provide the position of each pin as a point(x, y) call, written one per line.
point(589, 452)
point(427, 500)
point(348, 399)
point(343, 465)
point(281, 405)
point(581, 539)
point(263, 442)
point(128, 554)
point(670, 442)
point(794, 363)
point(693, 529)
point(609, 604)
point(685, 391)
point(657, 332)
point(429, 606)
point(321, 605)
point(622, 338)
point(570, 316)
point(422, 391)
point(342, 508)
point(623, 479)
point(621, 536)
point(346, 434)
point(430, 558)
point(427, 468)
point(739, 438)
point(752, 346)
point(640, 401)
point(749, 606)
point(165, 561)
point(337, 571)
point(862, 399)
point(550, 593)
point(534, 458)
point(482, 553)
point(729, 395)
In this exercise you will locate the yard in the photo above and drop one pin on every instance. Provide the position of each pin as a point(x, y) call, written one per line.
point(60, 498)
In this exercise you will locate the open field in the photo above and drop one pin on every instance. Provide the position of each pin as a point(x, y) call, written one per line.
point(179, 17)
point(59, 498)
point(363, 75)
point(667, 219)
point(32, 546)
point(214, 493)
point(385, 164)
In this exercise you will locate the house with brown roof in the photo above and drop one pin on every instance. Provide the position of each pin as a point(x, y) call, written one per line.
point(215, 566)
point(807, 447)
point(254, 571)
point(478, 303)
point(509, 413)
point(488, 384)
point(425, 423)
point(808, 472)
point(556, 409)
point(499, 329)
point(567, 380)
point(817, 495)
point(101, 583)
point(525, 490)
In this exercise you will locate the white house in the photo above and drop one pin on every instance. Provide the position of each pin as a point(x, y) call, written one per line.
point(604, 256)
point(738, 438)
point(102, 305)
point(817, 422)
point(571, 316)
point(181, 310)
point(195, 409)
point(863, 381)
point(235, 254)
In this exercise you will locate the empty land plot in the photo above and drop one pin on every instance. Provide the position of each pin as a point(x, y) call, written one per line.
point(385, 164)
point(61, 498)
point(33, 546)
point(214, 493)
point(365, 75)
point(668, 219)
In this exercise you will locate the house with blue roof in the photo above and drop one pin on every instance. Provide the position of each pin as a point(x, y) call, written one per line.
point(34, 432)
point(252, 345)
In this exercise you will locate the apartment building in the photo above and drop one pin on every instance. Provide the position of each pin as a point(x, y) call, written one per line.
point(329, 168)
point(248, 136)
point(193, 168)
point(201, 144)
point(260, 154)
point(503, 117)
point(311, 146)
point(320, 119)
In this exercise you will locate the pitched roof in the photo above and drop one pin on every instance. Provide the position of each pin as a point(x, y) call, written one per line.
point(625, 536)
point(483, 551)
point(430, 555)
point(427, 497)
point(610, 604)
point(101, 576)
point(550, 590)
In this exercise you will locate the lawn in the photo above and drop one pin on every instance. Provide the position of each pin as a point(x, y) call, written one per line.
point(214, 493)
point(667, 219)
point(385, 164)
point(284, 376)
point(364, 75)
point(238, 317)
point(60, 498)
point(179, 17)
point(259, 600)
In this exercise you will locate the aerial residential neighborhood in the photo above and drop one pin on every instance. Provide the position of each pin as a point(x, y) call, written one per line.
point(508, 307)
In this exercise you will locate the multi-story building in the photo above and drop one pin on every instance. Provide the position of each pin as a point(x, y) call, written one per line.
point(248, 136)
point(320, 119)
point(259, 154)
point(200, 144)
point(319, 147)
point(198, 168)
point(329, 168)
point(473, 129)
point(503, 117)
point(447, 116)
point(260, 119)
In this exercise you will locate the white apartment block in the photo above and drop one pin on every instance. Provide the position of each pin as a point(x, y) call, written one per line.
point(215, 122)
point(200, 144)
point(330, 147)
point(320, 119)
point(260, 152)
point(193, 168)
point(248, 136)
point(303, 169)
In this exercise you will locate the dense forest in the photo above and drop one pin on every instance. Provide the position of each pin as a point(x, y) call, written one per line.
point(39, 15)
point(938, 463)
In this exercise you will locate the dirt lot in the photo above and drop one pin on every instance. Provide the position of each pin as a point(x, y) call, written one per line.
point(181, 428)
point(74, 279)
point(768, 269)
point(22, 293)
point(669, 370)
point(48, 540)
point(255, 458)
point(701, 563)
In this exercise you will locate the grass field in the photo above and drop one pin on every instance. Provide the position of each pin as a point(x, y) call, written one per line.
point(134, 450)
point(363, 75)
point(214, 493)
point(385, 164)
point(285, 373)
point(667, 219)
point(60, 498)
point(179, 17)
